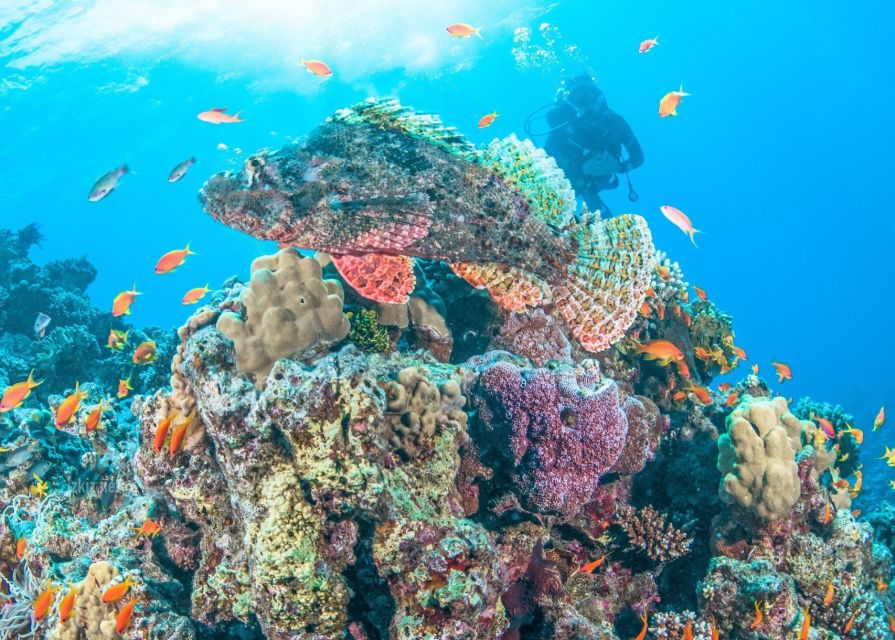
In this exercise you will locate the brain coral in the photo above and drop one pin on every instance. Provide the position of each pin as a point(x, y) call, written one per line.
point(562, 436)
point(757, 460)
point(289, 309)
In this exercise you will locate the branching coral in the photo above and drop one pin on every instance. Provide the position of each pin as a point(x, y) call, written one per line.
point(648, 530)
point(289, 308)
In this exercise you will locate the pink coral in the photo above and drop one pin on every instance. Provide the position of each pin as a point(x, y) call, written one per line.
point(562, 437)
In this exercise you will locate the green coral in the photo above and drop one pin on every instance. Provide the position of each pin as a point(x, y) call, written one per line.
point(367, 333)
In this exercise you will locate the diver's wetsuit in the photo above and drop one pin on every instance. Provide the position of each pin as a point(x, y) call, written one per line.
point(573, 141)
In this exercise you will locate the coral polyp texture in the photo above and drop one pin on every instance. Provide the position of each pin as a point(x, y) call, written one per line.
point(288, 309)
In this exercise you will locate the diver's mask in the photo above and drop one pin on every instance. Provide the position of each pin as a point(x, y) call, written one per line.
point(586, 99)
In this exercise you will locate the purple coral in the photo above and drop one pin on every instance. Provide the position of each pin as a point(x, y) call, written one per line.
point(562, 437)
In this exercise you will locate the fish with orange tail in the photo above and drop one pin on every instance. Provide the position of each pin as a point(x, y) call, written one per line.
point(121, 304)
point(713, 629)
point(21, 547)
point(194, 295)
point(149, 529)
point(880, 418)
point(671, 101)
point(664, 352)
point(851, 622)
point(648, 44)
point(173, 259)
point(857, 434)
point(66, 411)
point(124, 387)
point(317, 67)
point(825, 519)
point(759, 615)
point(94, 416)
point(688, 630)
point(828, 596)
point(463, 30)
point(503, 217)
point(15, 394)
point(44, 601)
point(145, 353)
point(806, 624)
point(161, 432)
point(783, 371)
point(642, 635)
point(66, 607)
point(118, 590)
point(487, 120)
point(732, 399)
point(178, 435)
point(123, 619)
point(117, 339)
point(590, 566)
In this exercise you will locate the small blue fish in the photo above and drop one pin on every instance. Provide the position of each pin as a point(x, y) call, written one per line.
point(106, 184)
point(180, 170)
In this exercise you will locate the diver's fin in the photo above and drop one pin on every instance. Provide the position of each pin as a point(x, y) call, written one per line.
point(511, 288)
point(389, 115)
point(608, 281)
point(535, 174)
point(379, 277)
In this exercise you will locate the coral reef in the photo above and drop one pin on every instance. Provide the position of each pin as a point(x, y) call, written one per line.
point(287, 308)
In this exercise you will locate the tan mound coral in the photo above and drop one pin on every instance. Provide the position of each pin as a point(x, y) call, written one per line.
point(418, 409)
point(757, 458)
point(289, 309)
point(91, 619)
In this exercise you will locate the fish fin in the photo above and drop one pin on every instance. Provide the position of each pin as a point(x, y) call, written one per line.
point(389, 115)
point(219, 109)
point(511, 288)
point(691, 233)
point(189, 251)
point(478, 33)
point(376, 276)
point(607, 283)
point(536, 176)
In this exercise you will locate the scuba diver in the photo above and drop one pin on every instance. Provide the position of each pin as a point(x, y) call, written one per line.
point(586, 139)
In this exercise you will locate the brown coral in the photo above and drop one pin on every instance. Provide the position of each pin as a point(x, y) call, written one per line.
point(648, 530)
point(289, 309)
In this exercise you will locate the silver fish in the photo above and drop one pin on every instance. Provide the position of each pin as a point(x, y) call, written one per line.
point(180, 170)
point(40, 324)
point(106, 184)
point(15, 458)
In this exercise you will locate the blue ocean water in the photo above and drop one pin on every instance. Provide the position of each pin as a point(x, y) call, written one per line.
point(781, 156)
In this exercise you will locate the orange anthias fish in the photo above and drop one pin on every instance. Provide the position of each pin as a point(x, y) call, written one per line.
point(68, 603)
point(700, 392)
point(700, 293)
point(850, 623)
point(65, 412)
point(194, 295)
point(688, 630)
point(44, 601)
point(92, 420)
point(121, 305)
point(124, 388)
point(880, 418)
point(682, 222)
point(828, 597)
point(463, 30)
point(590, 566)
point(317, 67)
point(146, 352)
point(487, 120)
point(806, 625)
point(177, 436)
point(783, 371)
point(724, 387)
point(881, 586)
point(857, 434)
point(759, 615)
point(642, 635)
point(149, 529)
point(670, 101)
point(648, 44)
point(217, 116)
point(732, 399)
point(713, 629)
point(173, 259)
point(663, 272)
point(123, 619)
point(740, 353)
point(892, 624)
point(21, 547)
point(662, 350)
point(117, 591)
point(16, 394)
point(161, 433)
point(117, 339)
point(825, 519)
